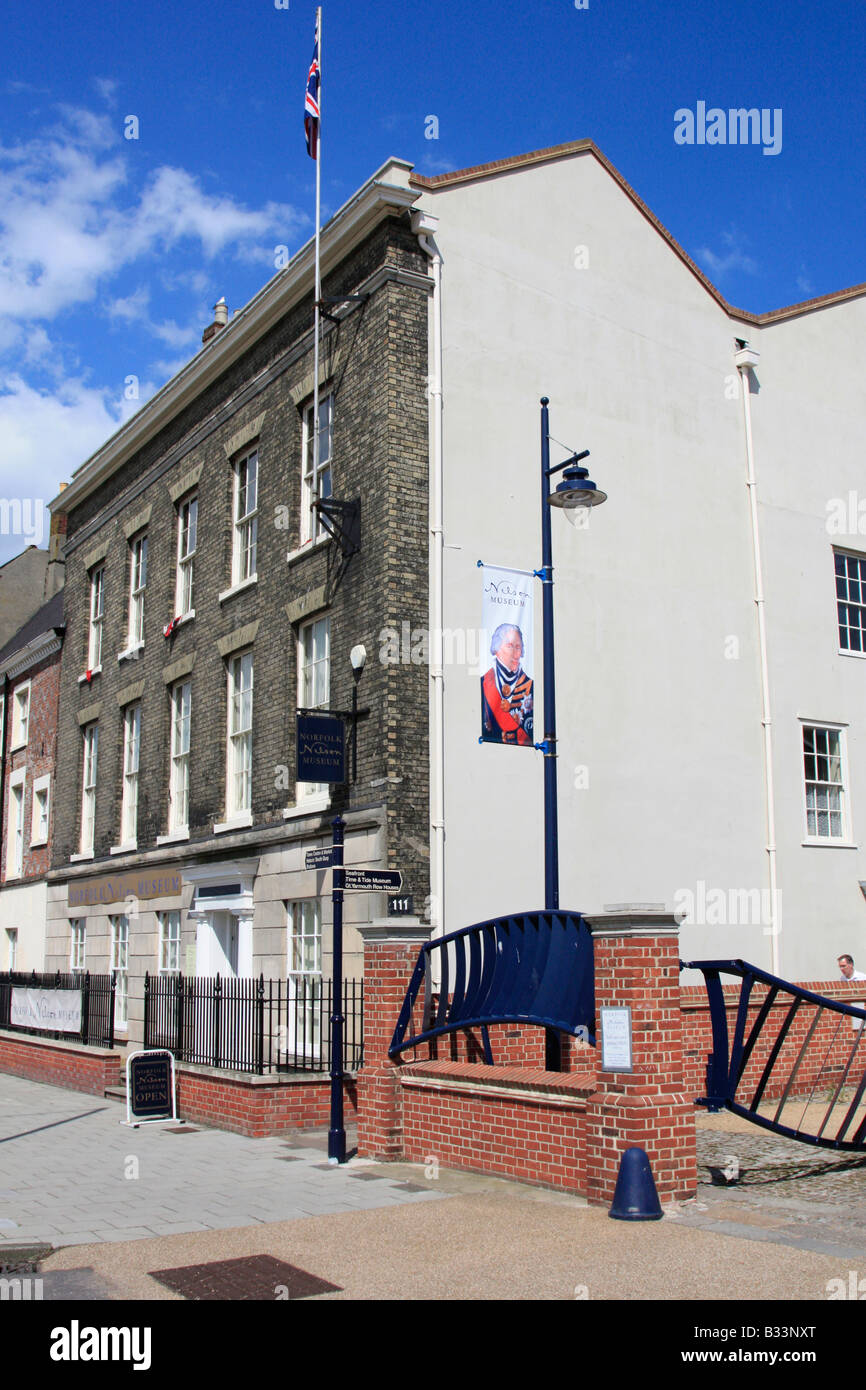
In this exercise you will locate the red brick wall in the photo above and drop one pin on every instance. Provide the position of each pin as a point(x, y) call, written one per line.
point(74, 1068)
point(647, 1107)
point(823, 1063)
point(512, 1045)
point(521, 1122)
point(38, 758)
point(255, 1107)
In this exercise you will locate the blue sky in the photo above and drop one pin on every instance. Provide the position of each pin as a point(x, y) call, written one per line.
point(112, 250)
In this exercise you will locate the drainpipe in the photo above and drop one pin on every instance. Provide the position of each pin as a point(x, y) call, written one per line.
point(424, 226)
point(745, 359)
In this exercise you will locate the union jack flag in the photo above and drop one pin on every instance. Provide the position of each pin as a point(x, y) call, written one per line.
point(311, 104)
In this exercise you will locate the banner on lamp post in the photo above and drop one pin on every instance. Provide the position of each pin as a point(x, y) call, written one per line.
point(507, 685)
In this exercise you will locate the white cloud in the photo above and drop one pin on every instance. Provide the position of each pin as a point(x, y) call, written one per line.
point(130, 308)
point(804, 284)
point(45, 436)
point(107, 89)
point(70, 220)
point(432, 166)
point(732, 258)
point(83, 227)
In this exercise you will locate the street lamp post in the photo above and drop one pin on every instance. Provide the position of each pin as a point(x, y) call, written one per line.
point(573, 494)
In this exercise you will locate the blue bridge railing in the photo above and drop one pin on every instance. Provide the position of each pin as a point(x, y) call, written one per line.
point(800, 1071)
point(529, 967)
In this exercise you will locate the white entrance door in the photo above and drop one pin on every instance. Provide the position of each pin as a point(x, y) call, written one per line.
point(225, 944)
point(217, 945)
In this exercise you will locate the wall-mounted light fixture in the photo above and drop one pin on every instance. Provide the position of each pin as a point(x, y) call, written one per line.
point(342, 521)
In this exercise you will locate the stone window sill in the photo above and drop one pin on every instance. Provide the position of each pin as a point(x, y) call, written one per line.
point(241, 822)
point(829, 844)
point(307, 808)
point(306, 549)
point(173, 837)
point(131, 653)
point(238, 588)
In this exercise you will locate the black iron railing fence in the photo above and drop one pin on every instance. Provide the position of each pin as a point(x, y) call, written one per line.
point(252, 1025)
point(97, 1003)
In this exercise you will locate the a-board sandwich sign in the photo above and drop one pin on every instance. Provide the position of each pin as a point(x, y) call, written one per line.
point(151, 1093)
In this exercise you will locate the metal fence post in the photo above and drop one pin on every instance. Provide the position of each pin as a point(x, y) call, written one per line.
point(217, 997)
point(179, 1003)
point(85, 1009)
point(260, 1026)
point(111, 995)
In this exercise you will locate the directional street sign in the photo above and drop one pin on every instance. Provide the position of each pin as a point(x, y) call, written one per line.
point(373, 880)
point(319, 858)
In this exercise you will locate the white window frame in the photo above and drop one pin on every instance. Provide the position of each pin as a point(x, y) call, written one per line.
point(187, 544)
point(97, 619)
point(137, 590)
point(12, 948)
point(314, 692)
point(304, 976)
point(119, 962)
point(840, 758)
point(77, 945)
point(131, 763)
point(20, 715)
point(40, 820)
point(15, 824)
point(89, 775)
point(844, 586)
point(178, 781)
point(245, 523)
point(168, 960)
point(315, 484)
point(239, 740)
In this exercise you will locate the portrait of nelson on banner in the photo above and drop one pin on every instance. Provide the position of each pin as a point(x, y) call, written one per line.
point(506, 691)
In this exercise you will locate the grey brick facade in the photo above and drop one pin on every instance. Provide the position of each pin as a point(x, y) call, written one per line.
point(374, 359)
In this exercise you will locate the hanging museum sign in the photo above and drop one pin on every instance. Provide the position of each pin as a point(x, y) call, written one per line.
point(507, 686)
point(321, 748)
point(55, 1010)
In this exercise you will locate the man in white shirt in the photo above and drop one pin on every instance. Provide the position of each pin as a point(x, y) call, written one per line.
point(846, 965)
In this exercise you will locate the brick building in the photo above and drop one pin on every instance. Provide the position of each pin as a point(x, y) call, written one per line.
point(30, 675)
point(206, 602)
point(711, 622)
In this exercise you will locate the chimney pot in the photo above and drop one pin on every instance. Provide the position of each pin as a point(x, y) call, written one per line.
point(220, 319)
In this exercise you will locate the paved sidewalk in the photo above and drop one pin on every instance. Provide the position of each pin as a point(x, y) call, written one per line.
point(394, 1231)
point(72, 1174)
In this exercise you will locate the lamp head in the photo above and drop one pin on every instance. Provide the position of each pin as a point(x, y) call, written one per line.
point(576, 491)
point(358, 658)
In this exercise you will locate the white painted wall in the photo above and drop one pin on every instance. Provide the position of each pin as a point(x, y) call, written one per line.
point(22, 907)
point(637, 359)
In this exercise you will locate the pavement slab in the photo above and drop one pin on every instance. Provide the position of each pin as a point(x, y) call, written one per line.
point(68, 1166)
point(118, 1205)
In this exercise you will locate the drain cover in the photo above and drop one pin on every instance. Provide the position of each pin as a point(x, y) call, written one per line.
point(253, 1278)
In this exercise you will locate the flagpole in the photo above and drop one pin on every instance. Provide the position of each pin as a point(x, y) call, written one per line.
point(318, 265)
